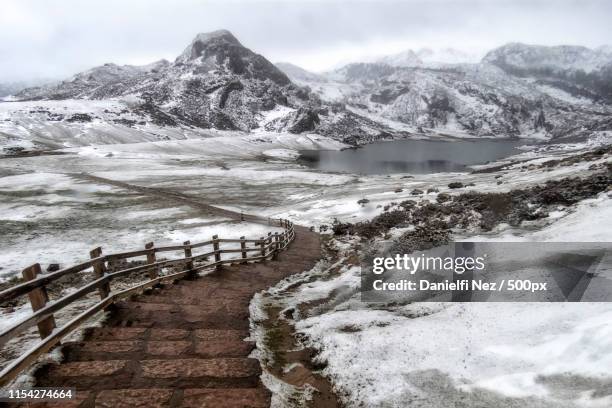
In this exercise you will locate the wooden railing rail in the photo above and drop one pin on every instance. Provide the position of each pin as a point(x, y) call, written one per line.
point(44, 310)
point(42, 280)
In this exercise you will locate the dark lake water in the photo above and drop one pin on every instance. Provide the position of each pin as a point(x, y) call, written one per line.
point(410, 156)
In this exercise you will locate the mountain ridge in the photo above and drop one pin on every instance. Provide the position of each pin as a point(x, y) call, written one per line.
point(217, 83)
point(478, 99)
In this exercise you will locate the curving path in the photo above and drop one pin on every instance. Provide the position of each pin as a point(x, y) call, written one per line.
point(180, 345)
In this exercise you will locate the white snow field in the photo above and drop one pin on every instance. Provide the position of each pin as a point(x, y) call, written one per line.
point(482, 354)
point(51, 213)
point(422, 355)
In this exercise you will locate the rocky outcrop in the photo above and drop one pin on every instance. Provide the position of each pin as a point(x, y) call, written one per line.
point(221, 49)
point(305, 120)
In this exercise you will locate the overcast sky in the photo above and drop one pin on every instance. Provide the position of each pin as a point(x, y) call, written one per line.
point(56, 38)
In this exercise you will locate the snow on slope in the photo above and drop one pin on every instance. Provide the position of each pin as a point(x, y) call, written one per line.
point(447, 56)
point(562, 57)
point(406, 58)
point(431, 355)
point(484, 354)
point(430, 57)
point(69, 123)
point(462, 99)
point(216, 83)
point(299, 75)
point(588, 222)
point(221, 145)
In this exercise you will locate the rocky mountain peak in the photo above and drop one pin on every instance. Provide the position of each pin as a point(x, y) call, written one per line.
point(220, 50)
point(205, 44)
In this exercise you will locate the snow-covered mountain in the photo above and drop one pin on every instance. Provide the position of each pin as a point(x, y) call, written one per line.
point(96, 83)
point(429, 57)
point(447, 56)
point(559, 58)
point(298, 74)
point(12, 87)
point(218, 84)
point(606, 49)
point(462, 100)
point(215, 83)
point(406, 58)
point(579, 71)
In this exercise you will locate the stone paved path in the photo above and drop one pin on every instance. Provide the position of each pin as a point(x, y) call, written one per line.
point(181, 345)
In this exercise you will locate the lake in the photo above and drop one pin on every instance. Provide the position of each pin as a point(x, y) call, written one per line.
point(410, 156)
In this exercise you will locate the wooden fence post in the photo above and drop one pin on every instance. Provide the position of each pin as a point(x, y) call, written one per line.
point(215, 243)
point(99, 270)
point(276, 246)
point(189, 263)
point(262, 243)
point(38, 300)
point(269, 241)
point(243, 247)
point(153, 273)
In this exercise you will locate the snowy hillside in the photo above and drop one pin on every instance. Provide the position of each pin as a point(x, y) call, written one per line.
point(447, 56)
point(216, 84)
point(429, 57)
point(406, 58)
point(299, 75)
point(95, 83)
point(579, 71)
point(45, 125)
point(558, 58)
point(8, 88)
point(463, 100)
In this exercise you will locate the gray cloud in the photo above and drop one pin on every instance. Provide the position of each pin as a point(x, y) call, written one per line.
point(58, 38)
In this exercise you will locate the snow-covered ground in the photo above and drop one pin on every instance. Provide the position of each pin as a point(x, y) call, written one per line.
point(482, 354)
point(57, 124)
point(502, 355)
point(57, 218)
point(52, 215)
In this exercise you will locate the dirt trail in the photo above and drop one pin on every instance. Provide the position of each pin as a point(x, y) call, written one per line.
point(182, 344)
point(172, 195)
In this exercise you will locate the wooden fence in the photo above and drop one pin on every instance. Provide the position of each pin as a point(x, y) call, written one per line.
point(34, 285)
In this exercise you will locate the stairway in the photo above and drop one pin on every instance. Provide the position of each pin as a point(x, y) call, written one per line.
point(180, 345)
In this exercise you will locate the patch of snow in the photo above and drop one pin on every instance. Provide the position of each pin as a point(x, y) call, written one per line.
point(588, 222)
